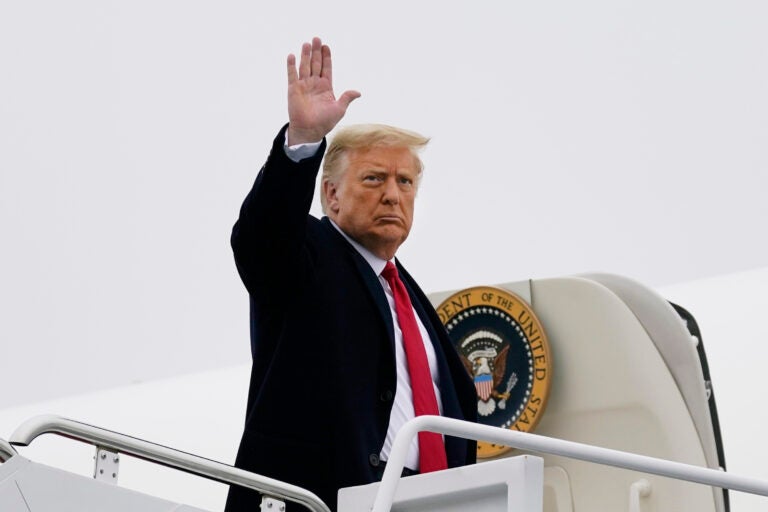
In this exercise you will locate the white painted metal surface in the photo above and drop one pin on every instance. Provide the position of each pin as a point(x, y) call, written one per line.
point(640, 489)
point(529, 500)
point(27, 486)
point(559, 447)
point(6, 450)
point(106, 465)
point(513, 484)
point(672, 339)
point(613, 387)
point(38, 425)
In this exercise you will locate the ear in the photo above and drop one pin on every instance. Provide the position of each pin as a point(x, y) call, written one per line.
point(331, 193)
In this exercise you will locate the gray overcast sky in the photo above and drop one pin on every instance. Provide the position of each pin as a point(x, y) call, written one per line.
point(626, 137)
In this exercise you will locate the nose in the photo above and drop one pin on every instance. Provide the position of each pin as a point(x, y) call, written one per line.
point(391, 192)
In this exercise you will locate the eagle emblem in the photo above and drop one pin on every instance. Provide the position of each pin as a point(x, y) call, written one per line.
point(486, 362)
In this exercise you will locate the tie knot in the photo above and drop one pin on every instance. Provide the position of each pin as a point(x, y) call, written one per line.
point(389, 272)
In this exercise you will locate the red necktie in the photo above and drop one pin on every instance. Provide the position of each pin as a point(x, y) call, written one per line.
point(431, 449)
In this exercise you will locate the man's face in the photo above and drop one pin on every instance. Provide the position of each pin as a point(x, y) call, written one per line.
point(372, 201)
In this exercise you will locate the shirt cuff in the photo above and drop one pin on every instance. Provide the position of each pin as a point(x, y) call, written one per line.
point(299, 152)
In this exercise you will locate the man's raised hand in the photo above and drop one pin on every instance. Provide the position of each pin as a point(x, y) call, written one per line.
point(313, 110)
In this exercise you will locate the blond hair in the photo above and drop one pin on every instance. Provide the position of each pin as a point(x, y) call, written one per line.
point(365, 136)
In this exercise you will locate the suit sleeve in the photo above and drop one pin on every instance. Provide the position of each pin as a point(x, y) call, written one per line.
point(269, 237)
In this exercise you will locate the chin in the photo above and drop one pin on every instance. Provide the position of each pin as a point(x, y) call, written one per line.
point(391, 234)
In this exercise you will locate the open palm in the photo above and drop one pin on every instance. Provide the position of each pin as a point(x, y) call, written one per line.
point(313, 109)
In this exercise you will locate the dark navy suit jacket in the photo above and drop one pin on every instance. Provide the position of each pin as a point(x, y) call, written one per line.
point(323, 377)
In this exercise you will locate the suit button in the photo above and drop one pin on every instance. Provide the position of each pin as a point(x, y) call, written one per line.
point(374, 460)
point(386, 396)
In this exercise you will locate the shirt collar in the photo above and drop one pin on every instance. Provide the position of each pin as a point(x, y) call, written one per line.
point(376, 263)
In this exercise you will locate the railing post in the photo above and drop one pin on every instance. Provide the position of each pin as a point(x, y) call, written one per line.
point(106, 465)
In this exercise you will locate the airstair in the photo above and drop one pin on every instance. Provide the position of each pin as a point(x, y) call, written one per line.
point(631, 425)
point(514, 484)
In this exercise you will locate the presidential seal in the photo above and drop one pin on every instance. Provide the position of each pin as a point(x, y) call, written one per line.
point(505, 351)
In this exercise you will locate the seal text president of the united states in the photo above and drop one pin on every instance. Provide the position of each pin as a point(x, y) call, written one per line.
point(346, 347)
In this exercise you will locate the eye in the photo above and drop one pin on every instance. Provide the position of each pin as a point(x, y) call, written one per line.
point(371, 177)
point(405, 181)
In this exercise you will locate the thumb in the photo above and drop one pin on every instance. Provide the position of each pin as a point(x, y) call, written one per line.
point(348, 97)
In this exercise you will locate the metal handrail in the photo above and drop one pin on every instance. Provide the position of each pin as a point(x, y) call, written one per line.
point(541, 444)
point(6, 450)
point(49, 424)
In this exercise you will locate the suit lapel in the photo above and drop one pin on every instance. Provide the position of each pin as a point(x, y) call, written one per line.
point(370, 279)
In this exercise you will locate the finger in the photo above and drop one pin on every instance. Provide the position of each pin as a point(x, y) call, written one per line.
point(348, 97)
point(304, 62)
point(292, 75)
point(317, 58)
point(327, 71)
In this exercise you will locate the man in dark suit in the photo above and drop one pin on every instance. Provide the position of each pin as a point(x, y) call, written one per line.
point(334, 375)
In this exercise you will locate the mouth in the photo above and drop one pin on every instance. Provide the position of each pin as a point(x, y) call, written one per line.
point(389, 219)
